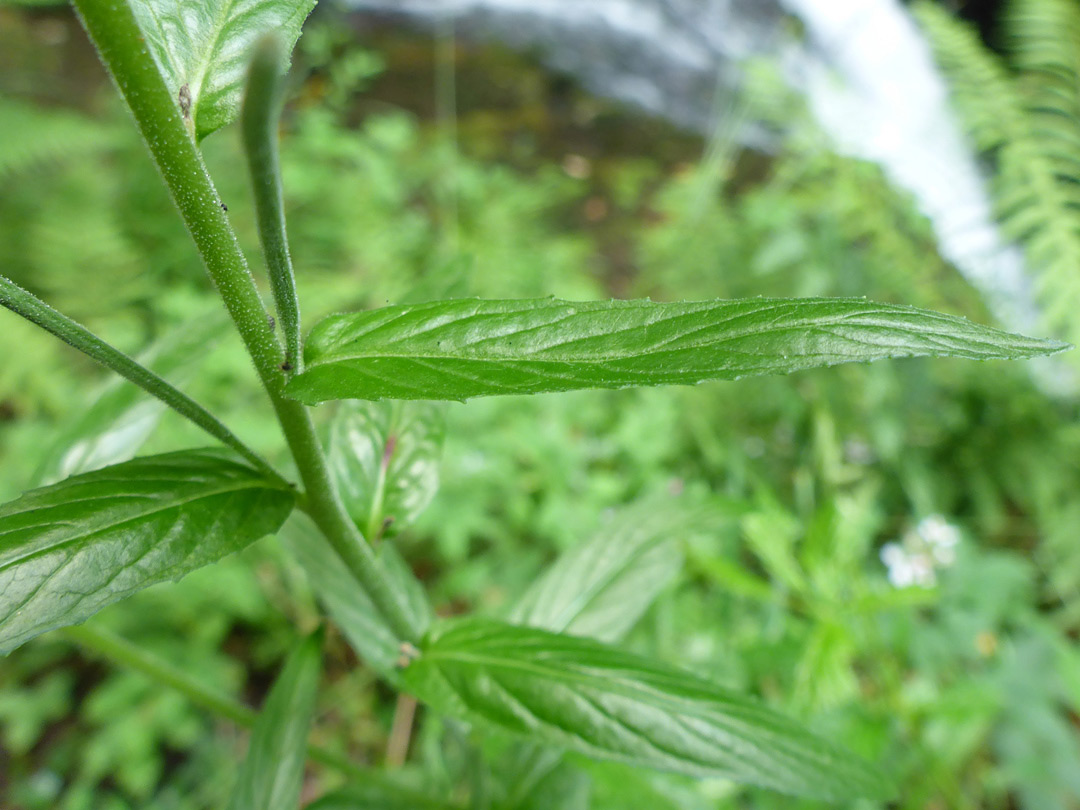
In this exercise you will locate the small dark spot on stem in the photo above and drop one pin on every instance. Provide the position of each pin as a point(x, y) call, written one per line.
point(224, 207)
point(184, 97)
point(286, 366)
point(270, 320)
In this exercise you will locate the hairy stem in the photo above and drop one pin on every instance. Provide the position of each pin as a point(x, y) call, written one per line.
point(37, 311)
point(114, 31)
point(120, 651)
point(262, 107)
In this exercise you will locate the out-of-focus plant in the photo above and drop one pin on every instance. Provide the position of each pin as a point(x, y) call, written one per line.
point(1023, 112)
point(799, 596)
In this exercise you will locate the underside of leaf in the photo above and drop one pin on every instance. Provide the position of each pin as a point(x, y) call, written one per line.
point(203, 49)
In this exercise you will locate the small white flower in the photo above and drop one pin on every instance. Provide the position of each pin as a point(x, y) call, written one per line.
point(940, 535)
point(924, 549)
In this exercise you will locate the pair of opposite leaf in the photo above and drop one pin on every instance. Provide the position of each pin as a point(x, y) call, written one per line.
point(69, 549)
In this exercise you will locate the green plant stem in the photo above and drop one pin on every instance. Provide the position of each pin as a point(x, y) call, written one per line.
point(29, 306)
point(114, 31)
point(112, 26)
point(262, 108)
point(323, 505)
point(119, 650)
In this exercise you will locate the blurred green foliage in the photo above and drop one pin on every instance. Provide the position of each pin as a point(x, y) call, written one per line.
point(1021, 108)
point(965, 681)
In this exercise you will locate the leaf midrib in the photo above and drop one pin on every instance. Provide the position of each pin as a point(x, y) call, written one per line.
point(203, 62)
point(112, 526)
point(581, 679)
point(775, 307)
point(780, 738)
point(335, 354)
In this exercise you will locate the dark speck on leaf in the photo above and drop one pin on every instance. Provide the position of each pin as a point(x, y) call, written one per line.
point(286, 366)
point(224, 207)
point(184, 97)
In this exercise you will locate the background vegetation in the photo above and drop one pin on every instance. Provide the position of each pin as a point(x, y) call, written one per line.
point(890, 551)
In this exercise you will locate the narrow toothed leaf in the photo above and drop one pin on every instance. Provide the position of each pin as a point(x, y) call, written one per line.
point(591, 698)
point(467, 348)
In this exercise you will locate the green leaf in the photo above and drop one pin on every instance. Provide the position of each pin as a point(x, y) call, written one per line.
point(538, 779)
point(70, 549)
point(28, 306)
point(468, 348)
point(602, 587)
point(599, 701)
point(380, 793)
point(203, 49)
point(119, 420)
point(273, 771)
point(599, 589)
point(347, 603)
point(385, 459)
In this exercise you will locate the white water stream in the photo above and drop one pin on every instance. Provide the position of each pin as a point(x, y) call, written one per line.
point(863, 65)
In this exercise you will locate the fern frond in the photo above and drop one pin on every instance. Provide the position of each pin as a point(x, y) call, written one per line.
point(981, 85)
point(1044, 40)
point(31, 136)
point(109, 273)
point(1029, 126)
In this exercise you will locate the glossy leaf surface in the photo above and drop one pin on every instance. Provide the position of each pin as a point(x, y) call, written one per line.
point(385, 459)
point(347, 603)
point(599, 701)
point(601, 587)
point(273, 771)
point(70, 549)
point(468, 348)
point(203, 49)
